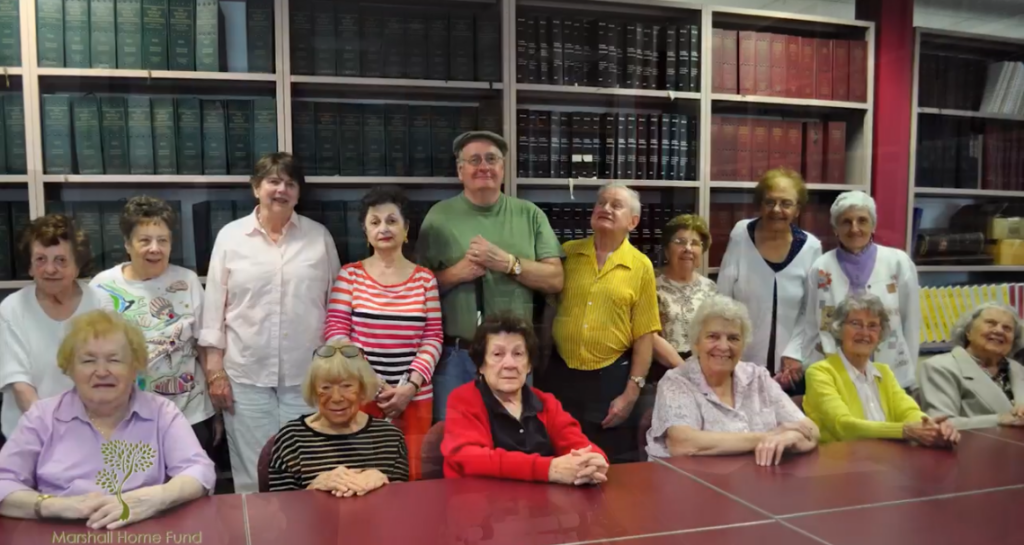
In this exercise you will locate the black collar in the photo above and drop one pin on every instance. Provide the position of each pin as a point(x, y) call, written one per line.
point(532, 406)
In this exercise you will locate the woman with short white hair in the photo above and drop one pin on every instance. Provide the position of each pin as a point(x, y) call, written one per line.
point(715, 404)
point(978, 384)
point(861, 265)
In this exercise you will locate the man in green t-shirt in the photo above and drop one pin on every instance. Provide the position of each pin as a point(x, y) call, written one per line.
point(490, 252)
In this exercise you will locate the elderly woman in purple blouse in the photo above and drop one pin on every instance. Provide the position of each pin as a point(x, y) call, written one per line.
point(715, 404)
point(69, 453)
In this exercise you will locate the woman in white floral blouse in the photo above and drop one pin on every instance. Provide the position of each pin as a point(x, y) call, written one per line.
point(715, 404)
point(681, 289)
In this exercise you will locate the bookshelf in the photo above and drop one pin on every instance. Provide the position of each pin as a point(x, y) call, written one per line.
point(958, 106)
point(144, 179)
point(783, 101)
point(965, 113)
point(103, 73)
point(504, 95)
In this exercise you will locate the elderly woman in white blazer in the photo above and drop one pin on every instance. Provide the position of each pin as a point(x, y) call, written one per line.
point(858, 264)
point(765, 267)
point(977, 384)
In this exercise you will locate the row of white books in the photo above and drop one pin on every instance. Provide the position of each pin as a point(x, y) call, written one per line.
point(942, 306)
point(1004, 89)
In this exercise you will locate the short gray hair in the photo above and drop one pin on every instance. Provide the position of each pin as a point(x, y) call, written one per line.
point(634, 197)
point(966, 321)
point(725, 308)
point(859, 301)
point(853, 199)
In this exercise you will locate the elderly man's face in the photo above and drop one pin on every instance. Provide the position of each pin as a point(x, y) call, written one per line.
point(481, 166)
point(613, 212)
point(339, 400)
point(720, 345)
point(992, 331)
point(506, 363)
point(103, 372)
point(854, 229)
point(861, 332)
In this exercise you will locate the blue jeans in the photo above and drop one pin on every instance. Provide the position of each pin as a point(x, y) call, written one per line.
point(454, 370)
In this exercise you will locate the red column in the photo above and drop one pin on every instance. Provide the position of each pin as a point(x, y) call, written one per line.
point(894, 64)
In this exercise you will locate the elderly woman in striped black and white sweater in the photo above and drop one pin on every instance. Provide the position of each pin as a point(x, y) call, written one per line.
point(338, 449)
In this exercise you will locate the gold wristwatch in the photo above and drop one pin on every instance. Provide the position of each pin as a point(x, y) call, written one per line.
point(39, 504)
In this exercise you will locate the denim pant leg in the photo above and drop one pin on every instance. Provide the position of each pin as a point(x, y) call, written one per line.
point(454, 370)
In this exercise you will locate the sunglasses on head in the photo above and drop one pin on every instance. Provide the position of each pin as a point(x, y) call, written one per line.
point(348, 351)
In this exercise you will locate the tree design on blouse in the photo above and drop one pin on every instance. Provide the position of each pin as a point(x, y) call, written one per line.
point(121, 457)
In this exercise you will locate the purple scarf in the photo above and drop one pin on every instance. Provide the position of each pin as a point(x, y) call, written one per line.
point(857, 267)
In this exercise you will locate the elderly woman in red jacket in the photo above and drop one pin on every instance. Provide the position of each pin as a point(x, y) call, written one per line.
point(496, 427)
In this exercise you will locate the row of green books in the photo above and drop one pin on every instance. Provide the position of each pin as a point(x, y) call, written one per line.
point(186, 35)
point(350, 139)
point(92, 134)
point(345, 39)
point(12, 134)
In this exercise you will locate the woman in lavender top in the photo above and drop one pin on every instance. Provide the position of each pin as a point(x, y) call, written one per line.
point(859, 265)
point(54, 460)
point(715, 404)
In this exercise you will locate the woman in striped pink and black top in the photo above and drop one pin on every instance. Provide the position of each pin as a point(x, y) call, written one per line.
point(390, 308)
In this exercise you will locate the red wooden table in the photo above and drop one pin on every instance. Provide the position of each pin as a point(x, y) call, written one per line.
point(877, 492)
point(639, 499)
point(858, 473)
point(989, 518)
point(1007, 433)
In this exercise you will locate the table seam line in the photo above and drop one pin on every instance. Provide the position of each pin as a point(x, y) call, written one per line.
point(900, 502)
point(743, 502)
point(996, 437)
point(715, 488)
point(672, 532)
point(245, 520)
point(799, 530)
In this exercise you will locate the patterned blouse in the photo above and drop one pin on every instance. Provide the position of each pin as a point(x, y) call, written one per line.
point(685, 399)
point(1002, 379)
point(677, 303)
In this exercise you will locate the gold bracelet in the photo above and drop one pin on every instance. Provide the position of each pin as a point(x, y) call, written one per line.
point(511, 264)
point(39, 504)
point(218, 374)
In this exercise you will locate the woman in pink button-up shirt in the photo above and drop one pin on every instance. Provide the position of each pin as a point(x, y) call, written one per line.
point(266, 303)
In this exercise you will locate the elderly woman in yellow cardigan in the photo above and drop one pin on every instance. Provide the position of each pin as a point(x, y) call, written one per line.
point(850, 397)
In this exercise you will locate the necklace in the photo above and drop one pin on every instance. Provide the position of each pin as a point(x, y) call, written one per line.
point(104, 431)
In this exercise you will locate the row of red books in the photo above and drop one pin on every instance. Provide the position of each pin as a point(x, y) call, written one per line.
point(744, 148)
point(1002, 156)
point(766, 64)
point(815, 218)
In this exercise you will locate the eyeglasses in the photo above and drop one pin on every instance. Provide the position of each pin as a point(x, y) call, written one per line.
point(492, 159)
point(691, 243)
point(348, 351)
point(861, 326)
point(783, 205)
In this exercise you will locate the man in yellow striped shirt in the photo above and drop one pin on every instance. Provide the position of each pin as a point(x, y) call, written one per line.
point(604, 329)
